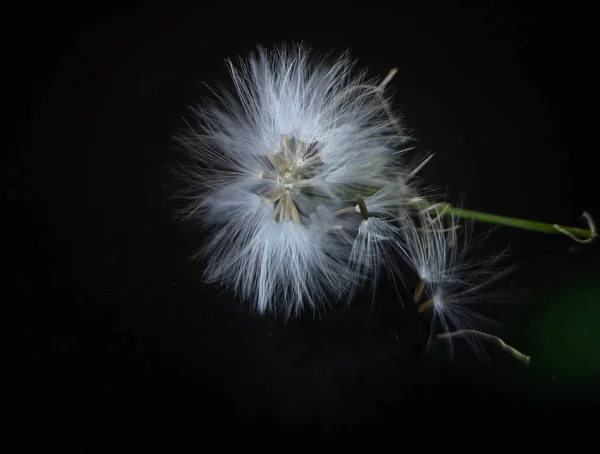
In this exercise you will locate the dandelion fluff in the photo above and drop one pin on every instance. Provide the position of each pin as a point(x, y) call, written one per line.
point(274, 160)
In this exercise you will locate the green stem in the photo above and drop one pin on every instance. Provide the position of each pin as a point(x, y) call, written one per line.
point(578, 234)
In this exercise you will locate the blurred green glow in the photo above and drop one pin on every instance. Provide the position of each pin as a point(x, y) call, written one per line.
point(565, 330)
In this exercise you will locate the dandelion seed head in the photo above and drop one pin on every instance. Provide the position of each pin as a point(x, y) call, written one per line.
point(295, 141)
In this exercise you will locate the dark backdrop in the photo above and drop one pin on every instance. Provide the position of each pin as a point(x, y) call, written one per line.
point(113, 336)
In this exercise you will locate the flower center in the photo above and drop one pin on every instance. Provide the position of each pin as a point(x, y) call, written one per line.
point(293, 166)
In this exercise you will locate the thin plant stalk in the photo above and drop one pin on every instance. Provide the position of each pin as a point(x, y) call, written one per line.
point(578, 234)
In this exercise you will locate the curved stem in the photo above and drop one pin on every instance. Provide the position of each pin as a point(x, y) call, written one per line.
point(525, 359)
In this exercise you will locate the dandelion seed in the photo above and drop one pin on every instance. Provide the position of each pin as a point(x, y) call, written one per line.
point(451, 281)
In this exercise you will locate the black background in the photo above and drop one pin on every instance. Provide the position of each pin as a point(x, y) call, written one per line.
point(111, 335)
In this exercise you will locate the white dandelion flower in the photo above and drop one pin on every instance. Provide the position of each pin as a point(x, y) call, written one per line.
point(298, 176)
point(276, 160)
